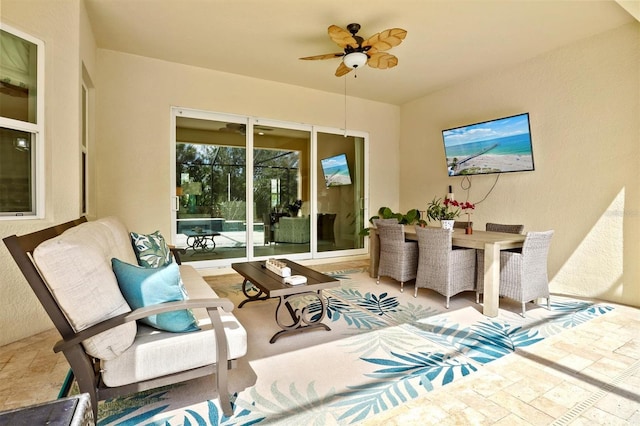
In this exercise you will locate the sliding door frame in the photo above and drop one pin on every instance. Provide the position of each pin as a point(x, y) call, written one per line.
point(250, 123)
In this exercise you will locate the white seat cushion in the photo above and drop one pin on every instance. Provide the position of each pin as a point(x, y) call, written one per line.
point(156, 353)
point(77, 268)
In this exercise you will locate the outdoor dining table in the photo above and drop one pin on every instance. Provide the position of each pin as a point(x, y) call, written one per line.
point(490, 242)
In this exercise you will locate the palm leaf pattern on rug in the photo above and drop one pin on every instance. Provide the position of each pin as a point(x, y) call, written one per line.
point(114, 409)
point(494, 340)
point(345, 274)
point(401, 379)
point(379, 305)
point(483, 342)
point(338, 310)
point(386, 340)
point(212, 417)
point(385, 307)
point(296, 407)
point(398, 351)
point(571, 313)
point(373, 398)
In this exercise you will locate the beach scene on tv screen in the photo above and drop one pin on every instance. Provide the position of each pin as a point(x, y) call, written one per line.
point(496, 146)
point(336, 171)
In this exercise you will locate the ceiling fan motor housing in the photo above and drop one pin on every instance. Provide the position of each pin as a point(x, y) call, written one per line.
point(355, 56)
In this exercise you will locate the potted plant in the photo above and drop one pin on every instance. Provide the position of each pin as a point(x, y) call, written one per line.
point(447, 210)
point(410, 218)
point(443, 210)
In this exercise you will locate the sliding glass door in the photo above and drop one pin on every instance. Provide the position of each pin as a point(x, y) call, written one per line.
point(281, 190)
point(251, 189)
point(210, 176)
point(340, 192)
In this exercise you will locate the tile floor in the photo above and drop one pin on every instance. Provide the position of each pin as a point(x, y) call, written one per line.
point(586, 375)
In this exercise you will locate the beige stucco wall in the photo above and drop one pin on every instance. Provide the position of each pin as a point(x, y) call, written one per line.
point(584, 105)
point(134, 97)
point(57, 24)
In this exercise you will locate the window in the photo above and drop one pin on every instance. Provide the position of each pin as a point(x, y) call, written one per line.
point(21, 124)
point(84, 155)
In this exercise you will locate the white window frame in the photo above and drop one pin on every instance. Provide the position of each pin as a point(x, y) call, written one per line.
point(36, 129)
point(84, 150)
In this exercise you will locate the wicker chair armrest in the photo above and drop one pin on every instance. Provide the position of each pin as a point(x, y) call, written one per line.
point(211, 304)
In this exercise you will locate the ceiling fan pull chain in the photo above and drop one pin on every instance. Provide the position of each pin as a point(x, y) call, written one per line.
point(345, 106)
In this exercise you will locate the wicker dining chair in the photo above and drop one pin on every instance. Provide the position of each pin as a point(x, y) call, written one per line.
point(492, 227)
point(499, 227)
point(398, 258)
point(523, 276)
point(392, 221)
point(462, 224)
point(440, 267)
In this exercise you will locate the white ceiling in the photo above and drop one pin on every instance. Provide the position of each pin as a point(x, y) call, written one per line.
point(447, 41)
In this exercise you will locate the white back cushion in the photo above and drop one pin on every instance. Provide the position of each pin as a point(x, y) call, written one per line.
point(77, 268)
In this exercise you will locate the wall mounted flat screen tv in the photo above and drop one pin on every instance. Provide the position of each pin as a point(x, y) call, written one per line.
point(497, 146)
point(336, 170)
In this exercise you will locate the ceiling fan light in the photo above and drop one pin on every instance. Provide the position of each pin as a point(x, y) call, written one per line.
point(355, 59)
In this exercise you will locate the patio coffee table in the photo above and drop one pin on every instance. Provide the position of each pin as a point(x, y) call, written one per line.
point(201, 239)
point(271, 285)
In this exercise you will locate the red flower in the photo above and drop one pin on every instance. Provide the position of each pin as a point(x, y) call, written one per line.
point(448, 202)
point(467, 205)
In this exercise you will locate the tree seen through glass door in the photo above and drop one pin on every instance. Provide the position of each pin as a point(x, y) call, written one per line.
point(212, 186)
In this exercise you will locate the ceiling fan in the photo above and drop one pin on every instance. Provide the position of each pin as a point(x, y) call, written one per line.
point(358, 51)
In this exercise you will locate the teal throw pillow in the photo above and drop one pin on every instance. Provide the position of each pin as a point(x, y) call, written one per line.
point(151, 250)
point(149, 286)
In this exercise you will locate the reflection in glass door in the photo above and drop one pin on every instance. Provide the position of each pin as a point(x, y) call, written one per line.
point(250, 189)
point(281, 190)
point(340, 192)
point(210, 189)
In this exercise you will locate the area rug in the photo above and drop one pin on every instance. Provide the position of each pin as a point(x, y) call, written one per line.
point(384, 348)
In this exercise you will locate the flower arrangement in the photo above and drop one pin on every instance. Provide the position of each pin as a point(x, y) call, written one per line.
point(443, 210)
point(466, 208)
point(447, 209)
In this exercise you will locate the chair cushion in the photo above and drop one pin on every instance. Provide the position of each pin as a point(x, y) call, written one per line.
point(149, 286)
point(157, 353)
point(292, 230)
point(151, 250)
point(76, 266)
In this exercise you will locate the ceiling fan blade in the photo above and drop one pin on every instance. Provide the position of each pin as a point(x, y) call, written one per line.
point(342, 37)
point(325, 56)
point(382, 60)
point(342, 70)
point(386, 39)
